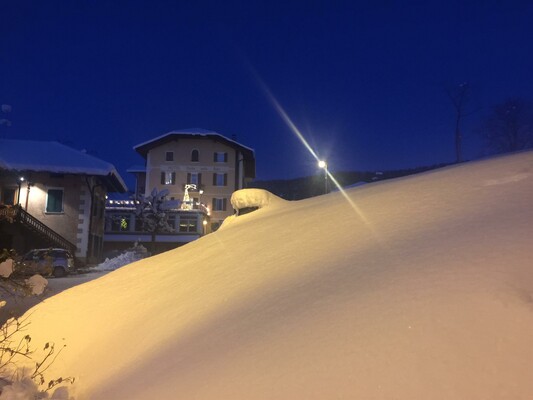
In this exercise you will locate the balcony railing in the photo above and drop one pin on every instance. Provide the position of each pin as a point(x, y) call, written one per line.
point(16, 214)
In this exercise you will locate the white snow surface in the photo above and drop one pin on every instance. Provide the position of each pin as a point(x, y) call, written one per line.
point(32, 155)
point(37, 284)
point(6, 268)
point(422, 288)
point(111, 264)
point(245, 198)
point(192, 132)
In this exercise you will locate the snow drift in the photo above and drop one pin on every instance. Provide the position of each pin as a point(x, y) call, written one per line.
point(421, 288)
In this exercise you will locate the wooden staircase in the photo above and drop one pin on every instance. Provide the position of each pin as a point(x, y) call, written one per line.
point(16, 215)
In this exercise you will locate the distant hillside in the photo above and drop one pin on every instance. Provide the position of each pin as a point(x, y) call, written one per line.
point(310, 186)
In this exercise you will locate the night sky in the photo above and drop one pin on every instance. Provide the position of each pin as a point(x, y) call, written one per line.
point(364, 81)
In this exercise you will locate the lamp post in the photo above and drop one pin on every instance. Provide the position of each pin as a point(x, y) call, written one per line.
point(324, 165)
point(19, 180)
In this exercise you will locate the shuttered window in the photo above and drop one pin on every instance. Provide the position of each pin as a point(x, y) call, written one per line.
point(219, 204)
point(54, 201)
point(220, 157)
point(220, 179)
point(194, 178)
point(168, 178)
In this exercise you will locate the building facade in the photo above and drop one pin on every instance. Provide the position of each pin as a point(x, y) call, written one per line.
point(211, 165)
point(124, 227)
point(53, 196)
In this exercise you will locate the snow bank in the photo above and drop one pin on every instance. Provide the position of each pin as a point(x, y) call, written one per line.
point(26, 389)
point(136, 253)
point(253, 198)
point(6, 268)
point(416, 288)
point(37, 284)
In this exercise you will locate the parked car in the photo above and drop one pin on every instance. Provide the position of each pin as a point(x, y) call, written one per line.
point(46, 262)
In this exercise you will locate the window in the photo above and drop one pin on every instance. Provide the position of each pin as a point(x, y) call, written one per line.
point(219, 204)
point(8, 197)
point(194, 178)
point(188, 223)
point(220, 157)
point(169, 156)
point(54, 201)
point(168, 178)
point(220, 179)
point(195, 156)
point(171, 222)
point(120, 223)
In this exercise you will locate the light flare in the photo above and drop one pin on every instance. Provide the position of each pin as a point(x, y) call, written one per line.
point(294, 129)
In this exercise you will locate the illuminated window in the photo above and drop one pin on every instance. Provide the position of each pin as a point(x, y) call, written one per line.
point(169, 156)
point(195, 156)
point(120, 223)
point(188, 223)
point(168, 178)
point(220, 179)
point(54, 201)
point(220, 157)
point(219, 204)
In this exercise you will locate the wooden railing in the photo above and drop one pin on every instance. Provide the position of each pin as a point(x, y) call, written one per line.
point(17, 214)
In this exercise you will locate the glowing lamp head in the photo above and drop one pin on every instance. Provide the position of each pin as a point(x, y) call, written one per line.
point(322, 164)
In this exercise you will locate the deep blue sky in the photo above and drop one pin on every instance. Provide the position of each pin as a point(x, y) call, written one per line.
point(365, 81)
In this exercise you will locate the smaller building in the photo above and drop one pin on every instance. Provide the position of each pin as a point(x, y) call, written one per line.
point(124, 228)
point(52, 195)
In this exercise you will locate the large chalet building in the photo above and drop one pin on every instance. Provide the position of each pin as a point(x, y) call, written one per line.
point(209, 164)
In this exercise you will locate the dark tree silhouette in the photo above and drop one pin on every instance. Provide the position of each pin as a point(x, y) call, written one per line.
point(152, 210)
point(459, 96)
point(509, 126)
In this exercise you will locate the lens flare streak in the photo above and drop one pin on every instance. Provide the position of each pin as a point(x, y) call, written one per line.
point(302, 139)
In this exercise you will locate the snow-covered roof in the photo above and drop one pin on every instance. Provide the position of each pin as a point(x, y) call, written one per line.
point(136, 168)
point(200, 133)
point(41, 156)
point(192, 133)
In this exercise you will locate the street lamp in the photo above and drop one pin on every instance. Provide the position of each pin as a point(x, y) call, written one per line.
point(323, 164)
point(19, 180)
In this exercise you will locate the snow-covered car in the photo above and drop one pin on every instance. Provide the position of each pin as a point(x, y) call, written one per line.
point(46, 262)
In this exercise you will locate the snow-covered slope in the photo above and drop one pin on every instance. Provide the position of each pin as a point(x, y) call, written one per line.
point(421, 288)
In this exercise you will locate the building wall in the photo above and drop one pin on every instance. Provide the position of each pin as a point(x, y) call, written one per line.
point(34, 201)
point(73, 221)
point(182, 164)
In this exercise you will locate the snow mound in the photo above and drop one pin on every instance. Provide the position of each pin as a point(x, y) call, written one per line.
point(253, 198)
point(136, 253)
point(37, 284)
point(415, 288)
point(6, 268)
